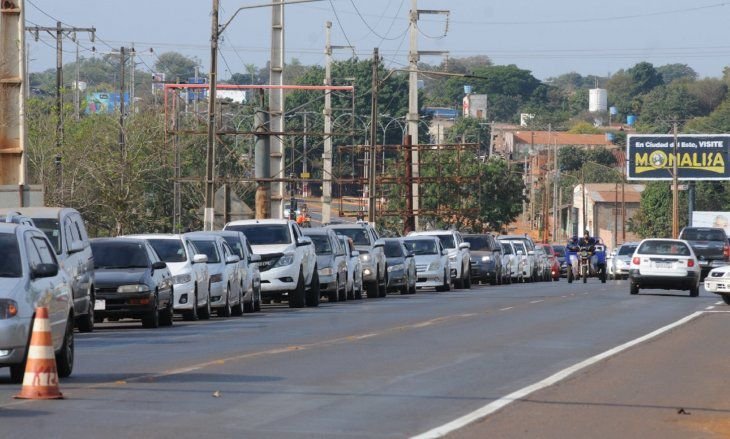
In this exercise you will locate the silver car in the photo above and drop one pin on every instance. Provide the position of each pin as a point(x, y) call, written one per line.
point(354, 269)
point(331, 263)
point(621, 262)
point(249, 263)
point(432, 261)
point(225, 289)
point(30, 277)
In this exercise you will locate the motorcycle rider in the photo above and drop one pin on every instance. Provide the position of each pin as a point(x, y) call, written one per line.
point(589, 243)
point(571, 254)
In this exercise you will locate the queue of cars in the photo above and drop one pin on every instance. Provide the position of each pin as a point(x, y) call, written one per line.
point(50, 261)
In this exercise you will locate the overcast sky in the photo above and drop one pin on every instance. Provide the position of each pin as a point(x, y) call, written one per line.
point(547, 37)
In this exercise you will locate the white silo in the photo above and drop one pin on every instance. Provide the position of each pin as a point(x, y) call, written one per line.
point(597, 100)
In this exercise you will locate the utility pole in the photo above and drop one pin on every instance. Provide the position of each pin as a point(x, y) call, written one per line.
point(373, 138)
point(556, 179)
point(58, 32)
point(209, 213)
point(77, 92)
point(413, 116)
point(585, 202)
point(276, 106)
point(675, 189)
point(122, 141)
point(305, 188)
point(327, 154)
point(132, 68)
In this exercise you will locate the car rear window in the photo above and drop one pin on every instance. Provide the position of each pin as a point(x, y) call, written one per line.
point(477, 242)
point(10, 265)
point(559, 250)
point(359, 235)
point(393, 249)
point(169, 250)
point(264, 234)
point(704, 235)
point(322, 245)
point(668, 248)
point(626, 250)
point(50, 227)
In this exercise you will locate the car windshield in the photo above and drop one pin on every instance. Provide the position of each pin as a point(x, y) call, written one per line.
point(668, 248)
point(10, 265)
point(422, 246)
point(119, 254)
point(626, 250)
point(235, 244)
point(322, 245)
point(393, 249)
point(359, 236)
point(519, 246)
point(477, 242)
point(447, 241)
point(704, 235)
point(207, 248)
point(506, 249)
point(169, 250)
point(49, 226)
point(264, 234)
point(559, 251)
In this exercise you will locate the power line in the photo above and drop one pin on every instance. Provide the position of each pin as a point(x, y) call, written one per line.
point(373, 31)
point(339, 23)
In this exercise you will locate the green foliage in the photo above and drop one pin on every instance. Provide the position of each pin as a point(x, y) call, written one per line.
point(573, 158)
point(584, 128)
point(674, 72)
point(654, 217)
point(469, 130)
point(664, 104)
point(176, 66)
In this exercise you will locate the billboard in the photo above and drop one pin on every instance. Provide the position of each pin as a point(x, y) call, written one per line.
point(712, 219)
point(104, 103)
point(698, 156)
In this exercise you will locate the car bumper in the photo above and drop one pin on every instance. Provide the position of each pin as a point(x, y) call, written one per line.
point(483, 270)
point(327, 283)
point(430, 279)
point(13, 338)
point(719, 285)
point(709, 265)
point(280, 279)
point(184, 296)
point(369, 273)
point(133, 305)
point(397, 278)
point(666, 281)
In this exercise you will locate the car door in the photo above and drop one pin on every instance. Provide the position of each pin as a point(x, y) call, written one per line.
point(47, 291)
point(73, 263)
point(341, 256)
point(410, 263)
point(161, 278)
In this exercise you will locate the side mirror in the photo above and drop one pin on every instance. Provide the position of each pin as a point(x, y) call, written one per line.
point(411, 255)
point(531, 253)
point(464, 246)
point(159, 265)
point(304, 240)
point(76, 247)
point(444, 252)
point(520, 252)
point(379, 243)
point(44, 270)
point(255, 258)
point(355, 254)
point(232, 259)
point(200, 259)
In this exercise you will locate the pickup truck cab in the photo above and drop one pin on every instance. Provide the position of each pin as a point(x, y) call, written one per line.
point(709, 244)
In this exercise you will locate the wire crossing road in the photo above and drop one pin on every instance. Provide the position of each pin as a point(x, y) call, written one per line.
point(393, 367)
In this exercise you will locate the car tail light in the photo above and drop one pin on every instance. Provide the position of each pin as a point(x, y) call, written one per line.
point(726, 252)
point(691, 262)
point(636, 260)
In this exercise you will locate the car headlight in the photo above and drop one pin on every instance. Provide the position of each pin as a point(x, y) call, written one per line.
point(133, 289)
point(365, 257)
point(8, 308)
point(327, 271)
point(452, 258)
point(486, 258)
point(284, 261)
point(396, 267)
point(433, 266)
point(216, 278)
point(182, 278)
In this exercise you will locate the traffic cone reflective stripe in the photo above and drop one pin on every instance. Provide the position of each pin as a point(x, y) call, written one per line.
point(41, 377)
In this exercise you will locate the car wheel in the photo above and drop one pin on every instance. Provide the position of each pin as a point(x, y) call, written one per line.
point(343, 291)
point(86, 322)
point(358, 291)
point(334, 296)
point(249, 306)
point(226, 311)
point(459, 282)
point(351, 291)
point(192, 315)
point(238, 309)
point(257, 302)
point(726, 299)
point(17, 371)
point(695, 291)
point(152, 319)
point(634, 288)
point(296, 297)
point(313, 293)
point(467, 279)
point(206, 311)
point(65, 358)
point(372, 289)
point(383, 290)
point(166, 316)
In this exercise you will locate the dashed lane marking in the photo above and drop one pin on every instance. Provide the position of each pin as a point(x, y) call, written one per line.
point(537, 301)
point(507, 309)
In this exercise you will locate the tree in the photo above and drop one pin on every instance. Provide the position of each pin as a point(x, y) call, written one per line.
point(709, 94)
point(645, 78)
point(584, 128)
point(176, 66)
point(665, 104)
point(654, 217)
point(675, 72)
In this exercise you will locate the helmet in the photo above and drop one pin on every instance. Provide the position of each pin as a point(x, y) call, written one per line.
point(586, 233)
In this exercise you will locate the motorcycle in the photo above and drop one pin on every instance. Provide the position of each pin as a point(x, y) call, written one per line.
point(585, 266)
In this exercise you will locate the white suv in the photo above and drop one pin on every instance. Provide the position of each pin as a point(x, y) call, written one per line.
point(459, 257)
point(288, 263)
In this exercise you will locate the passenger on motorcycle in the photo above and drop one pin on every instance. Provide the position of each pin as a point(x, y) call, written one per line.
point(571, 257)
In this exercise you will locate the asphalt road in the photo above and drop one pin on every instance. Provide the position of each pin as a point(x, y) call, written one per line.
point(392, 367)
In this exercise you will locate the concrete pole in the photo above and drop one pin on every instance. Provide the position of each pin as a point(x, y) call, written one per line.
point(327, 154)
point(132, 67)
point(262, 165)
point(373, 139)
point(77, 96)
point(675, 190)
point(276, 105)
point(59, 109)
point(209, 212)
point(305, 188)
point(413, 104)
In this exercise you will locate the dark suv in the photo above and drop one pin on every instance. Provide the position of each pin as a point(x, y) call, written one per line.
point(710, 245)
point(486, 258)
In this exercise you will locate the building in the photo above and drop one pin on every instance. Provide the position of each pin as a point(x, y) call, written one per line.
point(515, 143)
point(603, 211)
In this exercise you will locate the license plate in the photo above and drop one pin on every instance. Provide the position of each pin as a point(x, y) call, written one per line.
point(99, 305)
point(663, 265)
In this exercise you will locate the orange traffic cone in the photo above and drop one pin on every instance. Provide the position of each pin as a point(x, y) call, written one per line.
point(41, 377)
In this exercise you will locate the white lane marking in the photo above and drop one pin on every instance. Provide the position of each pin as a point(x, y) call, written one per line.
point(710, 307)
point(719, 303)
point(493, 406)
point(537, 301)
point(506, 309)
point(718, 312)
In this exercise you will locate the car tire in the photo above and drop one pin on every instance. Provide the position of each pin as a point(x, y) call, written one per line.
point(152, 319)
point(459, 282)
point(633, 288)
point(694, 291)
point(166, 316)
point(296, 297)
point(358, 291)
point(257, 302)
point(342, 292)
point(248, 307)
point(726, 299)
point(372, 289)
point(192, 315)
point(17, 372)
point(206, 312)
point(351, 291)
point(383, 289)
point(226, 311)
point(86, 322)
point(313, 293)
point(65, 358)
point(238, 309)
point(467, 279)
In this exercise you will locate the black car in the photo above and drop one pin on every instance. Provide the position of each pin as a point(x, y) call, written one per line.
point(486, 258)
point(401, 267)
point(131, 282)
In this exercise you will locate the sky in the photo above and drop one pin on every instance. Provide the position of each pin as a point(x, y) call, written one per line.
point(548, 38)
